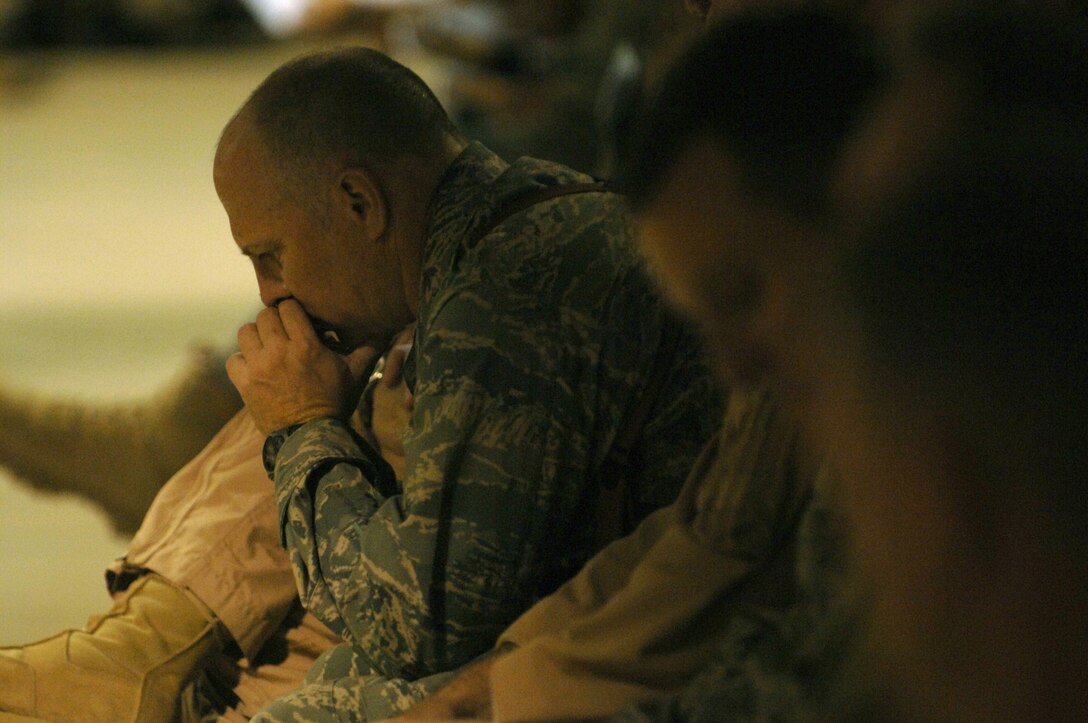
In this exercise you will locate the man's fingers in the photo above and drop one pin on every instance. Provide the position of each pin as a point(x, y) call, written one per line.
point(398, 352)
point(394, 363)
point(295, 322)
point(249, 339)
point(405, 335)
point(270, 327)
point(238, 370)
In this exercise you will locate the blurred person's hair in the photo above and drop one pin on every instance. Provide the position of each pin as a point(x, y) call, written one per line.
point(780, 90)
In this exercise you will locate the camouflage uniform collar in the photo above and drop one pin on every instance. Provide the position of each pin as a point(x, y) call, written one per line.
point(462, 202)
point(473, 189)
point(463, 197)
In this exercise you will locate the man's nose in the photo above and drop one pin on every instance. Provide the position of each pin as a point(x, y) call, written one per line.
point(272, 290)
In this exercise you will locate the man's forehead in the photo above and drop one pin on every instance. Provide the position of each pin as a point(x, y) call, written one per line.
point(241, 144)
point(243, 170)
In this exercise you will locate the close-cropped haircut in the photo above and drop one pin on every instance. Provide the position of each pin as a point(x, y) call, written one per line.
point(353, 106)
point(779, 89)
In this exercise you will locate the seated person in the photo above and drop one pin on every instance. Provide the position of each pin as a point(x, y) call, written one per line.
point(543, 372)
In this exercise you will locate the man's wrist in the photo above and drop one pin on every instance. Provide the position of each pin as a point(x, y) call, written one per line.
point(328, 441)
point(273, 443)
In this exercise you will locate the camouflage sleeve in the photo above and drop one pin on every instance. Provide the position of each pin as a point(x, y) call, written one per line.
point(327, 485)
point(519, 393)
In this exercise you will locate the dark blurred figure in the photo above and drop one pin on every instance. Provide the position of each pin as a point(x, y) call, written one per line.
point(952, 372)
point(557, 79)
point(948, 381)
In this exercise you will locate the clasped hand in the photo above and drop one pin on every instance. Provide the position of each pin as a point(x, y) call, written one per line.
point(287, 376)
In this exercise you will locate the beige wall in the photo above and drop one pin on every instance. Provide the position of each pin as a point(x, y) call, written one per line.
point(106, 204)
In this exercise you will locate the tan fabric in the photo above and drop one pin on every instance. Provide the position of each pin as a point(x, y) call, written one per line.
point(213, 528)
point(646, 614)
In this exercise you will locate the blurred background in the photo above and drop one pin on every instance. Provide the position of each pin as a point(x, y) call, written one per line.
point(115, 257)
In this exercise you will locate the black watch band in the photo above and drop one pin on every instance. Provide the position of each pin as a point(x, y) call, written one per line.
point(273, 443)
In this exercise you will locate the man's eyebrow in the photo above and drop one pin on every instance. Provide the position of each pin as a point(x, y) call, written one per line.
point(258, 248)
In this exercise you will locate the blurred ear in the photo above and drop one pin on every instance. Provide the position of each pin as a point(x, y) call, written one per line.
point(360, 197)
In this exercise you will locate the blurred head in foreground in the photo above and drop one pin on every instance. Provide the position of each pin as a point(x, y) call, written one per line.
point(950, 373)
point(926, 311)
point(730, 179)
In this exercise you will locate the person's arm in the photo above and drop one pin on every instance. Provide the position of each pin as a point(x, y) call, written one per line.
point(727, 549)
point(497, 462)
point(468, 694)
point(465, 697)
point(585, 650)
point(604, 576)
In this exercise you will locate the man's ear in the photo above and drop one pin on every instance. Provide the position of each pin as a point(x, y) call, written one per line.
point(361, 198)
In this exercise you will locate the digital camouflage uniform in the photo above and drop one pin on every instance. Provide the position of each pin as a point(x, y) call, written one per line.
point(783, 664)
point(536, 338)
